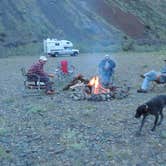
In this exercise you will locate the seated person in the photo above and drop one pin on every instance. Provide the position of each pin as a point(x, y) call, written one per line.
point(159, 77)
point(38, 69)
point(106, 69)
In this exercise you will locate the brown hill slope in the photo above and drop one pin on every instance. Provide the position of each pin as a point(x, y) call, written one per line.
point(93, 25)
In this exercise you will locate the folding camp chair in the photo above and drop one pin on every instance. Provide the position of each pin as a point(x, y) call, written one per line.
point(64, 71)
point(32, 83)
point(157, 82)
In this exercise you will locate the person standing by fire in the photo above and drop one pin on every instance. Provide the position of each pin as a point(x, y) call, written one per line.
point(106, 69)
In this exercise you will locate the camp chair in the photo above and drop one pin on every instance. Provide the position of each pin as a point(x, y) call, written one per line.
point(158, 82)
point(32, 86)
point(64, 71)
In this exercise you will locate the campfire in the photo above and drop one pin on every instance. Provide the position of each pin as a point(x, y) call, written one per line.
point(97, 88)
point(93, 90)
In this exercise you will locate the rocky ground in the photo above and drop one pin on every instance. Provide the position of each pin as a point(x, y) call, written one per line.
point(58, 131)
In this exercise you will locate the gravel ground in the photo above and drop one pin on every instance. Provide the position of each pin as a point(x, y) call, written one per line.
point(57, 131)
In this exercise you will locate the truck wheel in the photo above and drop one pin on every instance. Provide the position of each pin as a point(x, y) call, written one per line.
point(56, 54)
point(75, 54)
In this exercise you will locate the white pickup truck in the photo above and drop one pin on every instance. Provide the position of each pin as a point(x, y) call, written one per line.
point(54, 47)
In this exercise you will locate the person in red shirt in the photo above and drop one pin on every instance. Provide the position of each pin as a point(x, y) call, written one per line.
point(38, 69)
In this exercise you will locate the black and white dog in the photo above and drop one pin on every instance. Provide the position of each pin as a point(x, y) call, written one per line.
point(154, 107)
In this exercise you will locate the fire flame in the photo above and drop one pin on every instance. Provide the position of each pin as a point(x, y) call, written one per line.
point(97, 87)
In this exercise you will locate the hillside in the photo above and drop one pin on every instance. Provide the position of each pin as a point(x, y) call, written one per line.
point(92, 25)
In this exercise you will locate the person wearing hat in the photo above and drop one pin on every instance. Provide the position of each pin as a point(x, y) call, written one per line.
point(152, 76)
point(38, 69)
point(106, 69)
